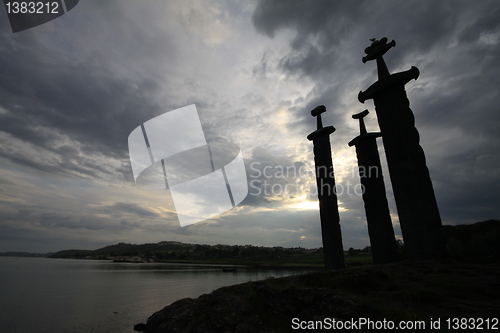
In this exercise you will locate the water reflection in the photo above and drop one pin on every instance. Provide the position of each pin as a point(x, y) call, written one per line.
point(46, 295)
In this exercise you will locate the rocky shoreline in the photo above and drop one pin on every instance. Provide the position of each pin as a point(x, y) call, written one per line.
point(404, 291)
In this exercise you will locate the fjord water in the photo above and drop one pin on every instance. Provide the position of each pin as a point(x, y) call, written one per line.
point(63, 295)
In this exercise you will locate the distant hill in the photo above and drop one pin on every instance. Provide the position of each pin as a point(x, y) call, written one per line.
point(185, 252)
point(75, 254)
point(25, 254)
point(137, 249)
point(475, 243)
point(125, 249)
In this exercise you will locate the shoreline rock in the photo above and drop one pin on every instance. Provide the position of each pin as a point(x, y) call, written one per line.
point(404, 291)
point(140, 327)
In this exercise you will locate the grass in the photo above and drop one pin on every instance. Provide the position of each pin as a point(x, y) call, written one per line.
point(406, 291)
point(394, 292)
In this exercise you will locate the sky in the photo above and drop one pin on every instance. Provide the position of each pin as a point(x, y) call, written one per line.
point(73, 89)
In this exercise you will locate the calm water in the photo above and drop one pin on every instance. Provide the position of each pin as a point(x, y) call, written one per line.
point(63, 295)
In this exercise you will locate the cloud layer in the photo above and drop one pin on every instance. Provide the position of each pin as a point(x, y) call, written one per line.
point(73, 89)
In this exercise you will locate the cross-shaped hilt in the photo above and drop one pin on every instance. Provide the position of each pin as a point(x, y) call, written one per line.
point(375, 51)
point(362, 128)
point(361, 116)
point(316, 112)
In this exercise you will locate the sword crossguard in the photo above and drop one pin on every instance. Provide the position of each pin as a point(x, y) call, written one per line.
point(363, 135)
point(316, 112)
point(360, 116)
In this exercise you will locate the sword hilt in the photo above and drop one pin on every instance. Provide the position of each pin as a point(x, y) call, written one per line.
point(316, 112)
point(360, 116)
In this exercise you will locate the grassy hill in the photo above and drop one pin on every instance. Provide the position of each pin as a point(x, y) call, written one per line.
point(475, 243)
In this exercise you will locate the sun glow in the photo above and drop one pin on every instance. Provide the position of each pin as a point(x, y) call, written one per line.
point(303, 203)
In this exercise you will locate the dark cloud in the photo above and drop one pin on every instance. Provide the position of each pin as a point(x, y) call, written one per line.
point(454, 43)
point(70, 96)
point(53, 97)
point(93, 111)
point(127, 207)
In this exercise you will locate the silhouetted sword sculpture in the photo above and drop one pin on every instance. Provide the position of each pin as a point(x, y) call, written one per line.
point(415, 200)
point(378, 218)
point(328, 207)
